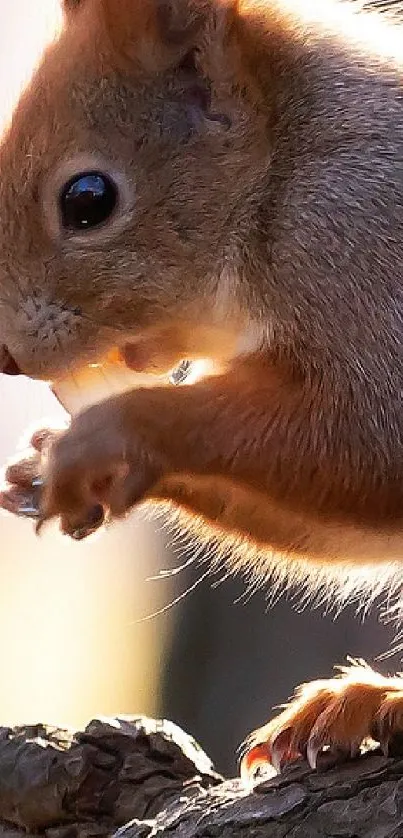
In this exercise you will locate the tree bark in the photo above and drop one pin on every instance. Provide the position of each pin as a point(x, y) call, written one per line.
point(144, 777)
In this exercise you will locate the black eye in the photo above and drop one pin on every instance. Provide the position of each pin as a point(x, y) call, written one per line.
point(88, 199)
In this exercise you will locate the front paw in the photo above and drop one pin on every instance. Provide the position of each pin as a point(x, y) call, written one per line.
point(329, 721)
point(21, 491)
point(101, 466)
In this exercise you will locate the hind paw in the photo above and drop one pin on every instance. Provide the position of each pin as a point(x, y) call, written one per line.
point(329, 721)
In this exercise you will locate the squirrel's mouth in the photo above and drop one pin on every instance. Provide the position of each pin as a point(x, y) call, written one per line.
point(8, 364)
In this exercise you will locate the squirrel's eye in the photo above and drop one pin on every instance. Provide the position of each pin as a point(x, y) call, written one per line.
point(87, 199)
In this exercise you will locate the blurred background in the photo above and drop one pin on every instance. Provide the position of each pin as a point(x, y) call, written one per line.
point(75, 640)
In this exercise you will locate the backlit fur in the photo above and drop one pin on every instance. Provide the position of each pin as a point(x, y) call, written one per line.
point(258, 148)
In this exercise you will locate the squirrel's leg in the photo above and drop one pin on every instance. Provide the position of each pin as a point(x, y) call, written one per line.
point(328, 721)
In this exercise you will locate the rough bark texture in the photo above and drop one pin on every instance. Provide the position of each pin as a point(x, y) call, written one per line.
point(143, 777)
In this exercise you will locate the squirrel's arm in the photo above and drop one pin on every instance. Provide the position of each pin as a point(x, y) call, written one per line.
point(250, 451)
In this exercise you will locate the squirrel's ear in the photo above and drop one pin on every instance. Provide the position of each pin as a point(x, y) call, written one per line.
point(156, 33)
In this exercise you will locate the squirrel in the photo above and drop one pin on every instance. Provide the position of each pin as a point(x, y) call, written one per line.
point(224, 179)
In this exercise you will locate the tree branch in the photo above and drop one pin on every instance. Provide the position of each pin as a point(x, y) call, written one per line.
point(147, 777)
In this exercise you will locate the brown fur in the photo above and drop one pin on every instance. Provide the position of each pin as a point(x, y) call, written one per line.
point(259, 151)
point(283, 219)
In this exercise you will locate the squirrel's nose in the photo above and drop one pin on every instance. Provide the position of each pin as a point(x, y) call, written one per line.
point(8, 365)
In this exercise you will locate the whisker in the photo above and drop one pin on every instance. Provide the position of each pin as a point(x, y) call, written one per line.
point(175, 601)
point(172, 571)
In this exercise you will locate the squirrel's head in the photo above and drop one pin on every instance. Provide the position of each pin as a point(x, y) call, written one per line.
point(123, 180)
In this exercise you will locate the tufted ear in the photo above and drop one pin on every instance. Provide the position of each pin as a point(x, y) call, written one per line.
point(156, 33)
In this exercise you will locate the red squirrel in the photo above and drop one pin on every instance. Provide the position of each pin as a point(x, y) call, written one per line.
point(224, 179)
